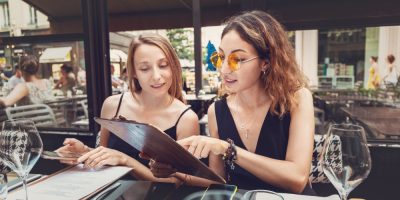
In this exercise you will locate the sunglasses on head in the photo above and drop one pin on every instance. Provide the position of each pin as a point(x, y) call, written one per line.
point(233, 61)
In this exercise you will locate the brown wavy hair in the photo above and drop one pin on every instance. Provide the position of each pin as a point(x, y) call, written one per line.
point(173, 61)
point(282, 77)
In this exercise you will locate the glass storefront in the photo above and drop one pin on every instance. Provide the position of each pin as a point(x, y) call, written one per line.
point(344, 69)
point(68, 107)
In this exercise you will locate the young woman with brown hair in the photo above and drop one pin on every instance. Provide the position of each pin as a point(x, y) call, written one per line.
point(262, 132)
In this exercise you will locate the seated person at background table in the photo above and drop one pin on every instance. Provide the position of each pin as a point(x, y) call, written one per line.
point(115, 81)
point(34, 90)
point(16, 78)
point(265, 125)
point(6, 72)
point(124, 79)
point(81, 81)
point(67, 80)
point(13, 81)
point(155, 82)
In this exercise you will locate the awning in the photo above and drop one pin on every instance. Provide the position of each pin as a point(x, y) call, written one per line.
point(55, 55)
point(117, 55)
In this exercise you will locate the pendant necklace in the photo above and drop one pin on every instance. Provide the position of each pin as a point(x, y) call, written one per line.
point(244, 125)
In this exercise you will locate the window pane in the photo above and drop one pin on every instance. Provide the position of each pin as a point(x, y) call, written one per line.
point(346, 71)
point(59, 83)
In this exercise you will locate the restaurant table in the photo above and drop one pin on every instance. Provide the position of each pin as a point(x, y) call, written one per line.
point(200, 103)
point(382, 120)
point(83, 123)
point(145, 190)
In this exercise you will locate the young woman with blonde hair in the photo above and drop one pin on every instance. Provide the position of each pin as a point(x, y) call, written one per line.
point(155, 97)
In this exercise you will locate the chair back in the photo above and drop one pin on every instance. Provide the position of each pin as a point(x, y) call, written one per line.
point(317, 174)
point(40, 114)
point(83, 104)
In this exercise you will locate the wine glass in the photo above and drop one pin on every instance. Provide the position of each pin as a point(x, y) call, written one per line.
point(262, 194)
point(346, 160)
point(3, 187)
point(20, 147)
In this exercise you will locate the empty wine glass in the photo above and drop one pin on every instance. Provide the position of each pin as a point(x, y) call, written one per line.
point(262, 194)
point(20, 147)
point(3, 187)
point(345, 157)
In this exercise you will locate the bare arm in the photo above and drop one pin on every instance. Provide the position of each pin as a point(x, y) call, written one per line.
point(60, 82)
point(215, 161)
point(291, 173)
point(20, 91)
point(375, 76)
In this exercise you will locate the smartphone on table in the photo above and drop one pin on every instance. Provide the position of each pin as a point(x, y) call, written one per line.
point(220, 192)
point(52, 155)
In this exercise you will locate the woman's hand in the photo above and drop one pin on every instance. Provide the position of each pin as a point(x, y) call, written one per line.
point(159, 170)
point(103, 156)
point(73, 145)
point(202, 146)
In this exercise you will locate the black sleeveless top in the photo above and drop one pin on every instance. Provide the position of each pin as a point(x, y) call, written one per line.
point(114, 142)
point(272, 143)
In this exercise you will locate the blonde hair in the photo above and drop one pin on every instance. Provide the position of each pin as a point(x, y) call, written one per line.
point(166, 47)
point(282, 77)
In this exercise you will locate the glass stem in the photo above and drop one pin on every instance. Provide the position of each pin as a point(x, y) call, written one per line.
point(343, 196)
point(24, 183)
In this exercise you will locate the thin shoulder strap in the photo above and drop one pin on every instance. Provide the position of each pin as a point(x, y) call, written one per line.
point(119, 105)
point(188, 108)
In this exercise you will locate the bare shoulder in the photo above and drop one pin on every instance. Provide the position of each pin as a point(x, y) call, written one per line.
point(211, 110)
point(303, 94)
point(22, 85)
point(189, 122)
point(110, 105)
point(304, 99)
point(189, 115)
point(112, 100)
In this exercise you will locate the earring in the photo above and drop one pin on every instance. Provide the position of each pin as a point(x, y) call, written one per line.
point(264, 71)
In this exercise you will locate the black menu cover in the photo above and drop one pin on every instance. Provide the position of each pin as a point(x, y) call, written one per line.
point(159, 146)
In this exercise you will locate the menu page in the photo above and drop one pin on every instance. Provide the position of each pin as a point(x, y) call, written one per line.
point(74, 183)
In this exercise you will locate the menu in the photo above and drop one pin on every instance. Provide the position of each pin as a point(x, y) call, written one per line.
point(159, 146)
point(76, 182)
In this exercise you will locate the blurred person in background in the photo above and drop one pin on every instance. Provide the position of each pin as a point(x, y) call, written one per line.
point(124, 79)
point(81, 80)
point(16, 78)
point(373, 78)
point(115, 81)
point(34, 90)
point(6, 72)
point(81, 77)
point(392, 73)
point(67, 81)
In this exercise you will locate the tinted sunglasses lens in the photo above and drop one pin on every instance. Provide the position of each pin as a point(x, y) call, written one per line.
point(216, 60)
point(233, 62)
